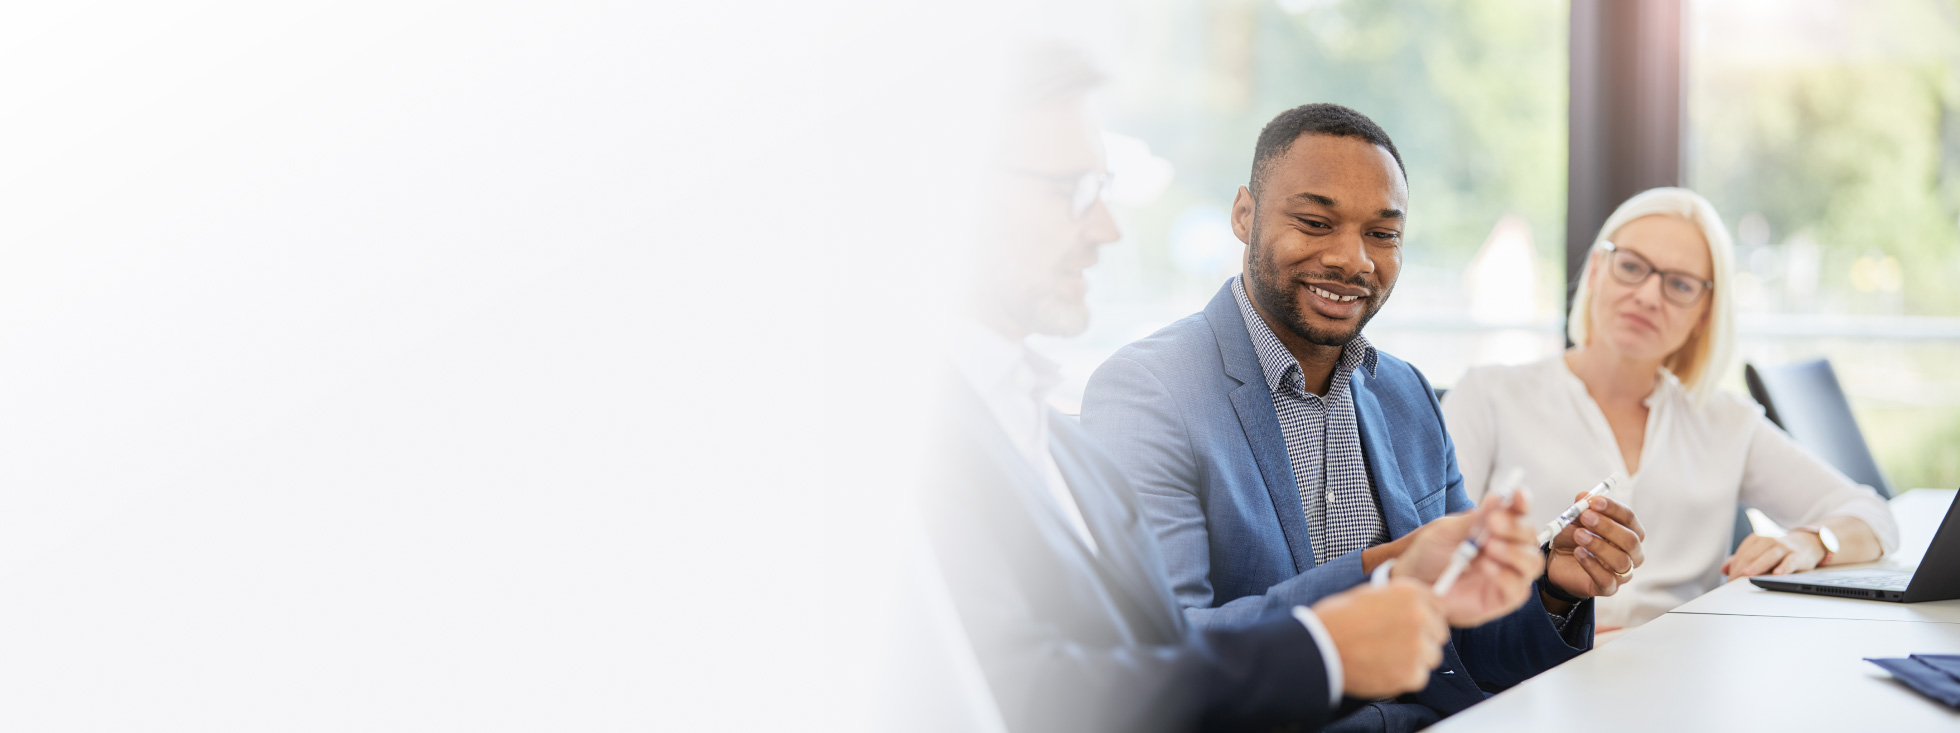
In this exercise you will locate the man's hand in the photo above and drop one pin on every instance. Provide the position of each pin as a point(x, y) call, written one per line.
point(1389, 637)
point(1759, 555)
point(1498, 581)
point(1597, 553)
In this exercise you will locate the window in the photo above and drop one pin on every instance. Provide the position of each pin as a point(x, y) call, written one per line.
point(1474, 95)
point(1828, 134)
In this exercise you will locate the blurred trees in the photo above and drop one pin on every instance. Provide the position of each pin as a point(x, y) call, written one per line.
point(1838, 123)
point(1474, 95)
point(1826, 131)
point(1828, 134)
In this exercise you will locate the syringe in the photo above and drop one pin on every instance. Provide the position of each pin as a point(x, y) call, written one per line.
point(1578, 507)
point(1467, 550)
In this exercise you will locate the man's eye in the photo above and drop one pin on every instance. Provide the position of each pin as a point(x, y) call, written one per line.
point(1386, 235)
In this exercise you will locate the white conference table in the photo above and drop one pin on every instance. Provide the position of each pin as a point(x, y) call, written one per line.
point(1740, 658)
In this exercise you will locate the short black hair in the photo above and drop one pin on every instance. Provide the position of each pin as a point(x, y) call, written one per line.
point(1320, 118)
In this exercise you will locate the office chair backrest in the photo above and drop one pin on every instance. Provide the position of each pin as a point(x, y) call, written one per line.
point(1806, 401)
point(1743, 528)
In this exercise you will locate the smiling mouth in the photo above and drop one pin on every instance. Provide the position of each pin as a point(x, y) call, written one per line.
point(1331, 296)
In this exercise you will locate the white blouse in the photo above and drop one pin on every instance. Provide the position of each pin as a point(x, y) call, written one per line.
point(1697, 462)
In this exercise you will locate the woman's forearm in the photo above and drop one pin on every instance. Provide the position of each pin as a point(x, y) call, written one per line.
point(1856, 540)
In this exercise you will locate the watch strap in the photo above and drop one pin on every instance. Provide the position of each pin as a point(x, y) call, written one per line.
point(1551, 589)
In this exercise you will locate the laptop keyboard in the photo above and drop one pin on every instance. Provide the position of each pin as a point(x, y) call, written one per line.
point(1881, 582)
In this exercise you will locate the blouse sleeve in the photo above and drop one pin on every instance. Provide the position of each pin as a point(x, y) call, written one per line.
point(1466, 413)
point(1796, 488)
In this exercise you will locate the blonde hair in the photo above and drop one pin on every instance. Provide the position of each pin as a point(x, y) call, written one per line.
point(1702, 360)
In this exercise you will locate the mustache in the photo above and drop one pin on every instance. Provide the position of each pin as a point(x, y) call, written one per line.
point(1356, 280)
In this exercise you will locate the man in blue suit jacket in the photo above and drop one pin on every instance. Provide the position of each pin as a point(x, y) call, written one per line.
point(1280, 457)
point(1055, 575)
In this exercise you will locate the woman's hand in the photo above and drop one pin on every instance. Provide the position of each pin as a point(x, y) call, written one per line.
point(1759, 555)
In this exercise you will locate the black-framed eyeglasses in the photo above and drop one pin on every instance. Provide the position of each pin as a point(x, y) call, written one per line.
point(1677, 287)
point(1084, 189)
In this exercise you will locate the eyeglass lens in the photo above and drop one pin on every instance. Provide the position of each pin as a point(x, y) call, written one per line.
point(1088, 189)
point(1632, 269)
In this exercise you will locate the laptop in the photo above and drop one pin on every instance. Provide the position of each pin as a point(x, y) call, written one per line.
point(1936, 579)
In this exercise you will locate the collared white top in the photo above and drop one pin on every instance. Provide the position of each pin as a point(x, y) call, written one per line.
point(1697, 462)
point(1013, 381)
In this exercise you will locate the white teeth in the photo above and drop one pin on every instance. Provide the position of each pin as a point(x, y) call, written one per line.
point(1331, 296)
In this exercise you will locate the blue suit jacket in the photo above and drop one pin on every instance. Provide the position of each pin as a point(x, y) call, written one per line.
point(1188, 414)
point(1081, 641)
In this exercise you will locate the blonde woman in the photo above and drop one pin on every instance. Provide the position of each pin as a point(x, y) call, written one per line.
point(1654, 324)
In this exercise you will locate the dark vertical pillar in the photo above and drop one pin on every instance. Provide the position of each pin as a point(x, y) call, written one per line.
point(1626, 113)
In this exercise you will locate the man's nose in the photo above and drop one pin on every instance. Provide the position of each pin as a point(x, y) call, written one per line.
point(1099, 225)
point(1347, 252)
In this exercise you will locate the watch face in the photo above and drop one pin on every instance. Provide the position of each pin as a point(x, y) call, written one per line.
point(1829, 538)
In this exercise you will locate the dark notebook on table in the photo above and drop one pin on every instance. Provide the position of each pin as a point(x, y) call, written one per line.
point(1934, 675)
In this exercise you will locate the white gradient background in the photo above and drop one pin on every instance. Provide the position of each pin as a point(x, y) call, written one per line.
point(461, 366)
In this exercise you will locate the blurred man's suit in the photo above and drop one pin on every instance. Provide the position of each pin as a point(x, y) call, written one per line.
point(1074, 637)
point(1187, 413)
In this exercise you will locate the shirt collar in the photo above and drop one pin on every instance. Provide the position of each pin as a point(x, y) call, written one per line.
point(1278, 364)
point(991, 363)
point(1666, 385)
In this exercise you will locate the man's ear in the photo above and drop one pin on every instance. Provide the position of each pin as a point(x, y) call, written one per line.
point(1242, 205)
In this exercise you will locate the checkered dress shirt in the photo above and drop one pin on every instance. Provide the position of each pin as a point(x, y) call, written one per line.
point(1323, 442)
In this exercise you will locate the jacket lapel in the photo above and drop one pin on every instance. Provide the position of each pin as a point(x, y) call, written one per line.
point(1451, 686)
point(1398, 507)
point(1118, 566)
point(1029, 489)
point(1253, 401)
point(1116, 527)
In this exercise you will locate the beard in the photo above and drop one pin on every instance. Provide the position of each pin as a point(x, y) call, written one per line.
point(1051, 314)
point(1280, 293)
